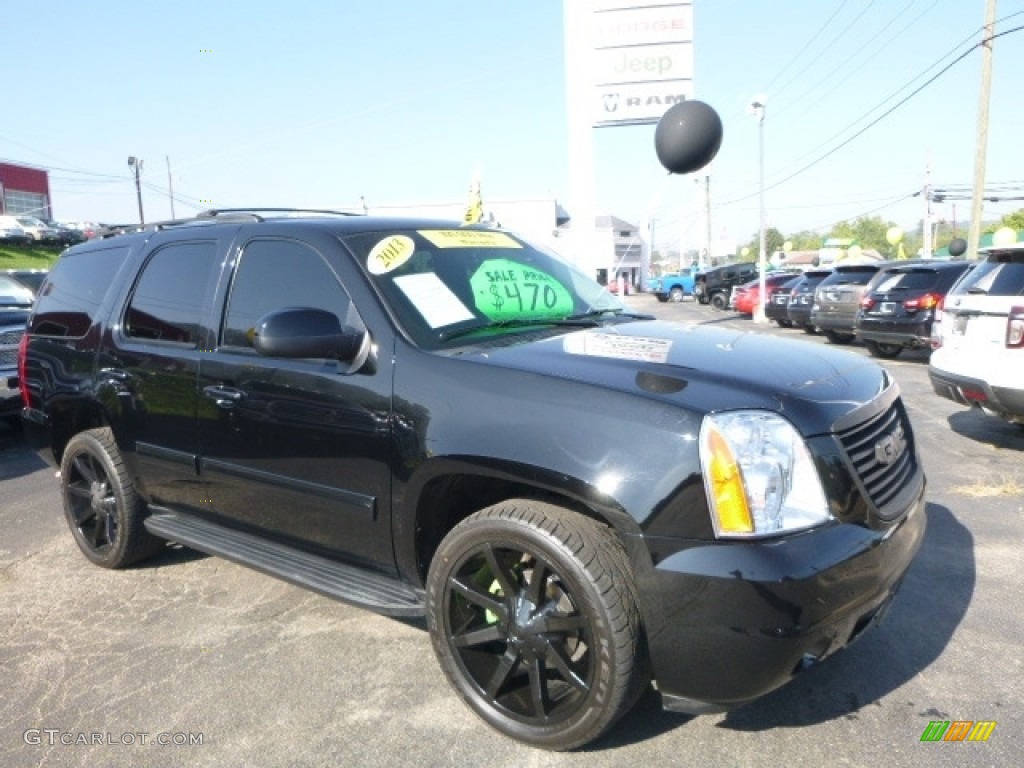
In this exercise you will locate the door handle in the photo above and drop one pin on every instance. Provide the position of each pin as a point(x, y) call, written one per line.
point(224, 397)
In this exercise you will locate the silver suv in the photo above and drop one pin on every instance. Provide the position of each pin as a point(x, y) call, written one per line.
point(978, 337)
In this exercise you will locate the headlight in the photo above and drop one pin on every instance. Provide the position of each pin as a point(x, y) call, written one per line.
point(758, 475)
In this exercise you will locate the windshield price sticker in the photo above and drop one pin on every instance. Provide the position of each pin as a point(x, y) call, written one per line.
point(639, 348)
point(468, 238)
point(504, 289)
point(389, 254)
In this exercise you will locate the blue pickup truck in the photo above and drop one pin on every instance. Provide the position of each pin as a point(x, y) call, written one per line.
point(673, 287)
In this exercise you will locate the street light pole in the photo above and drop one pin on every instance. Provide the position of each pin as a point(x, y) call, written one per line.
point(135, 163)
point(762, 266)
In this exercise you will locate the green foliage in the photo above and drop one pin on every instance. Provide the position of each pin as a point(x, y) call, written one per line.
point(1013, 220)
point(30, 257)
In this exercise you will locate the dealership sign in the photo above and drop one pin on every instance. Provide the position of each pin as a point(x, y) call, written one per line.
point(640, 59)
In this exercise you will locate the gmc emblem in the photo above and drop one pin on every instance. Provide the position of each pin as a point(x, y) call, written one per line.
point(891, 447)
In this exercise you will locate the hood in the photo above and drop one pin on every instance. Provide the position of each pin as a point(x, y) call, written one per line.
point(704, 369)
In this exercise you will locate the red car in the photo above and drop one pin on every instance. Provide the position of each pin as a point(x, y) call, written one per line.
point(745, 297)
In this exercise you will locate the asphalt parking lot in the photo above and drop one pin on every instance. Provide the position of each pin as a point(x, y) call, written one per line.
point(191, 660)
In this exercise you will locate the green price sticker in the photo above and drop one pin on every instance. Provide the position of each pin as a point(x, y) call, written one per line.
point(505, 289)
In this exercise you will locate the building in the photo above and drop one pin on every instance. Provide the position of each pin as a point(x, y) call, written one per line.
point(24, 190)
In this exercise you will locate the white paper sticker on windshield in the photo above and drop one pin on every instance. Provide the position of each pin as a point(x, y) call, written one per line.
point(639, 348)
point(433, 299)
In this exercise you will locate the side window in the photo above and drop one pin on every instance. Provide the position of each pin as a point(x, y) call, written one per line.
point(275, 274)
point(74, 290)
point(167, 302)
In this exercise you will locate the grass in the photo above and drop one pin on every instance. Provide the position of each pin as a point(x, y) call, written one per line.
point(28, 257)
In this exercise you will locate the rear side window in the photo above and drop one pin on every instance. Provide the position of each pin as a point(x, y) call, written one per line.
point(1001, 274)
point(74, 290)
point(167, 303)
point(908, 280)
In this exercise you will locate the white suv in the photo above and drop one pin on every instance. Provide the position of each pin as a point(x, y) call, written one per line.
point(978, 336)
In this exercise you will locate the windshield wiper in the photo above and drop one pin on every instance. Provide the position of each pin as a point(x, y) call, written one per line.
point(521, 322)
point(616, 311)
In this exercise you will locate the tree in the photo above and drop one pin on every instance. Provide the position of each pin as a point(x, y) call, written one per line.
point(1013, 220)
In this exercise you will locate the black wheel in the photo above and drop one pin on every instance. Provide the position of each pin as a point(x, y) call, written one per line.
point(784, 323)
point(676, 295)
point(811, 329)
point(879, 349)
point(100, 503)
point(663, 299)
point(532, 612)
point(836, 337)
point(719, 301)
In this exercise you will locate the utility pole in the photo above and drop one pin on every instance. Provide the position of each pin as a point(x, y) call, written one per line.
point(981, 142)
point(170, 187)
point(707, 214)
point(926, 230)
point(135, 163)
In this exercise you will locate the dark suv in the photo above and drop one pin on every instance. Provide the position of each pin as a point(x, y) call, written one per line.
point(837, 300)
point(432, 420)
point(15, 303)
point(898, 308)
point(714, 286)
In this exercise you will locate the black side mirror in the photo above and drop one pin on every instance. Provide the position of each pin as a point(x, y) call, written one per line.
point(303, 332)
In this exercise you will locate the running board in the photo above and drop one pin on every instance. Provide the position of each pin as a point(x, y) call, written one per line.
point(340, 581)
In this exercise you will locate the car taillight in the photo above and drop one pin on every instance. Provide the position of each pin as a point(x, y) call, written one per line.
point(867, 302)
point(1015, 328)
point(936, 339)
point(928, 301)
point(22, 355)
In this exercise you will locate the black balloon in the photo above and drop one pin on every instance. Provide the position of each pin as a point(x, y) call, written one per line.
point(957, 247)
point(688, 136)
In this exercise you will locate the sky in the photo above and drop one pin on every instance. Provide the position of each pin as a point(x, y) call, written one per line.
point(397, 102)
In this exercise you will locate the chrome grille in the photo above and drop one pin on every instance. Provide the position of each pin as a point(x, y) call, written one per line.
point(9, 340)
point(883, 455)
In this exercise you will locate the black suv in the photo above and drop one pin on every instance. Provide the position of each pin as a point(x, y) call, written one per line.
point(713, 286)
point(432, 420)
point(899, 306)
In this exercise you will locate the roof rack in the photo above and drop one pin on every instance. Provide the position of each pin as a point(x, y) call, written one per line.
point(254, 213)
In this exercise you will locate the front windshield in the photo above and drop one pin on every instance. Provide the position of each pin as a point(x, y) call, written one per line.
point(450, 286)
point(13, 293)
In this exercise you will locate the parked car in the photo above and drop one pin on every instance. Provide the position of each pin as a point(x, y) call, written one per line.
point(35, 228)
point(745, 298)
point(978, 336)
point(614, 287)
point(837, 300)
point(11, 234)
point(777, 307)
point(30, 278)
point(801, 299)
point(674, 287)
point(713, 286)
point(67, 235)
point(439, 421)
point(898, 308)
point(15, 303)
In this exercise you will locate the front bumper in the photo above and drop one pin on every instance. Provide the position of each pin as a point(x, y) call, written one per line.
point(733, 621)
point(10, 393)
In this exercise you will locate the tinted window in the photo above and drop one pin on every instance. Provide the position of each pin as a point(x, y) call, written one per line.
point(850, 277)
point(908, 280)
point(167, 302)
point(274, 274)
point(1001, 274)
point(74, 291)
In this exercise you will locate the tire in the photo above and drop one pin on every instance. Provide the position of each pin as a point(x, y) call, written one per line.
point(523, 651)
point(719, 301)
point(811, 329)
point(784, 323)
point(100, 503)
point(879, 349)
point(663, 299)
point(836, 337)
point(676, 295)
